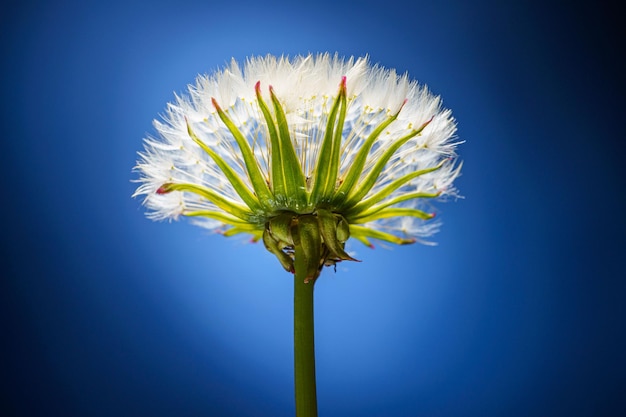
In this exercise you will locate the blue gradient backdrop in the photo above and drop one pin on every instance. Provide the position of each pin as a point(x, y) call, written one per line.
point(518, 311)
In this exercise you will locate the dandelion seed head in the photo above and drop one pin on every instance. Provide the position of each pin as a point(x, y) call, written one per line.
point(196, 147)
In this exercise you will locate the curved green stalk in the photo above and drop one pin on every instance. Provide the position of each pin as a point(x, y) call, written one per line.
point(292, 175)
point(252, 166)
point(246, 195)
point(366, 184)
point(362, 233)
point(393, 212)
point(223, 217)
point(325, 174)
point(225, 203)
point(393, 186)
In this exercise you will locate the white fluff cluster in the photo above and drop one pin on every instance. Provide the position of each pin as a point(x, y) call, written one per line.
point(306, 87)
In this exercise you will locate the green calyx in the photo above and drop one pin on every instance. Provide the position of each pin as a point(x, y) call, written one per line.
point(312, 216)
point(320, 237)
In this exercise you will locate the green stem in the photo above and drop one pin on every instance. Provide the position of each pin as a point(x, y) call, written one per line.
point(304, 346)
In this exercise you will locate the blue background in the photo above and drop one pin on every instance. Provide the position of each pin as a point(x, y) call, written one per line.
point(518, 311)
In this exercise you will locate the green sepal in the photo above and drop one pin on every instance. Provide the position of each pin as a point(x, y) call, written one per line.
point(366, 185)
point(363, 240)
point(308, 245)
point(356, 168)
point(328, 229)
point(399, 199)
point(276, 163)
point(252, 166)
point(280, 228)
point(325, 174)
point(256, 234)
point(393, 212)
point(393, 186)
point(343, 230)
point(361, 233)
point(240, 187)
point(275, 247)
point(290, 185)
point(220, 201)
point(223, 217)
point(237, 226)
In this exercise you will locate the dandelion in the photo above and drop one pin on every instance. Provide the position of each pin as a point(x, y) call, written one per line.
point(303, 154)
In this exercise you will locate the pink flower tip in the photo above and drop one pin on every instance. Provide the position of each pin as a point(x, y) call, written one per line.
point(217, 106)
point(402, 106)
point(164, 189)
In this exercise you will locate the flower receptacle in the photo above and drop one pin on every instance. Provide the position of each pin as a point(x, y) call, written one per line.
point(318, 237)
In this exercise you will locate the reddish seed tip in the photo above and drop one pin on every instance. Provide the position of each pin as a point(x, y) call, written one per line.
point(371, 246)
point(342, 85)
point(257, 87)
point(217, 106)
point(402, 106)
point(164, 189)
point(428, 122)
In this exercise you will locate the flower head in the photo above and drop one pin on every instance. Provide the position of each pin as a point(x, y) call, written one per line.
point(303, 153)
